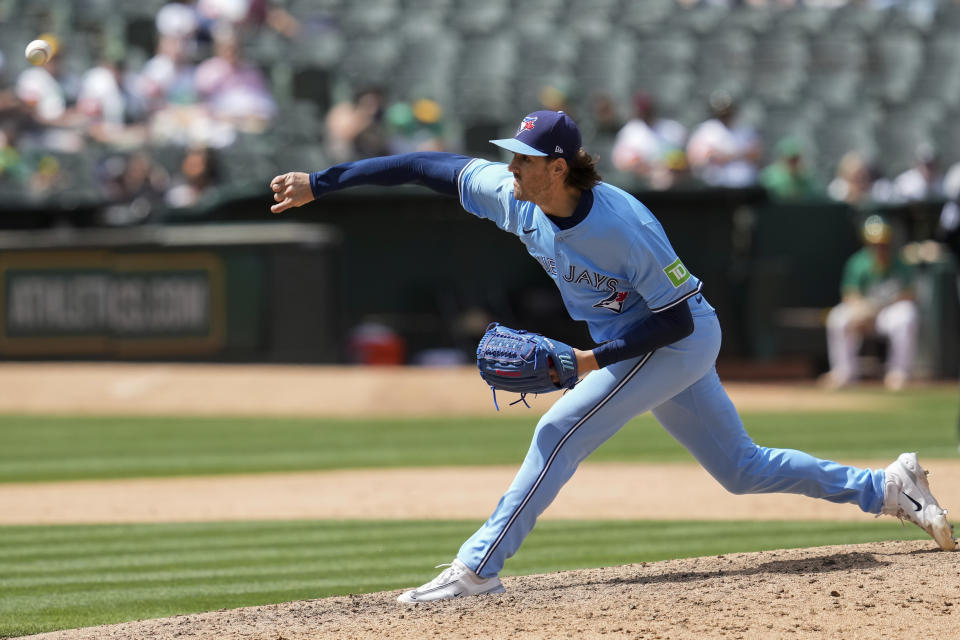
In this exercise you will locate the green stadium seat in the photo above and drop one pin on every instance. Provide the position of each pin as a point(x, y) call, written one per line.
point(369, 60)
point(781, 61)
point(428, 67)
point(798, 120)
point(312, 84)
point(804, 19)
point(755, 20)
point(369, 18)
point(699, 19)
point(947, 135)
point(843, 130)
point(606, 65)
point(902, 130)
point(896, 59)
point(859, 17)
point(472, 18)
point(646, 17)
point(725, 61)
point(940, 77)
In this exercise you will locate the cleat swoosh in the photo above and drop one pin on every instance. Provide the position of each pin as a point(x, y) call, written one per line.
point(916, 504)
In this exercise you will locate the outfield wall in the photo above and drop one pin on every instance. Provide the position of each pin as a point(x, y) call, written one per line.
point(248, 286)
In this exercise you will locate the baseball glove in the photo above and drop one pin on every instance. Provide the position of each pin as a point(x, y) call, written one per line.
point(521, 361)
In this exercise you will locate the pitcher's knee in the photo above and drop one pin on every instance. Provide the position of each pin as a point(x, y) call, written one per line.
point(737, 482)
point(739, 475)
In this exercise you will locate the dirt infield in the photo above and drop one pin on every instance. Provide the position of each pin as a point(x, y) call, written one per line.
point(226, 390)
point(609, 491)
point(886, 590)
point(883, 590)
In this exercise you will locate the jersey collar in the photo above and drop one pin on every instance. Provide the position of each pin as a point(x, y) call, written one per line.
point(583, 208)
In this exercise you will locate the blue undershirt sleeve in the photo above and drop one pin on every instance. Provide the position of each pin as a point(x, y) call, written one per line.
point(659, 330)
point(433, 169)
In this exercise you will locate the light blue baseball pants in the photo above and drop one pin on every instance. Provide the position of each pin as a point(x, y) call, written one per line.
point(679, 384)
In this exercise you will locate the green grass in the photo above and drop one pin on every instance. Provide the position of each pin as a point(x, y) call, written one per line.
point(73, 576)
point(37, 448)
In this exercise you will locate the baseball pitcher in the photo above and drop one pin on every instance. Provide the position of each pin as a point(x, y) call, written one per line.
point(658, 341)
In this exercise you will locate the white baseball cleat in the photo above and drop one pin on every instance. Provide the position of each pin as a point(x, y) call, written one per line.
point(907, 496)
point(455, 581)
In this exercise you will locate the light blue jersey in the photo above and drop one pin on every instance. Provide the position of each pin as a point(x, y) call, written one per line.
point(613, 269)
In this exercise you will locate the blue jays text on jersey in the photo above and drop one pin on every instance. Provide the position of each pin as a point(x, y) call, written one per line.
point(617, 259)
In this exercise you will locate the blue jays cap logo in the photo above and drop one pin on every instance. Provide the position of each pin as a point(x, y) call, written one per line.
point(527, 124)
point(544, 133)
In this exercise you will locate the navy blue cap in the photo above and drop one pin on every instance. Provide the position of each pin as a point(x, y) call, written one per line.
point(544, 133)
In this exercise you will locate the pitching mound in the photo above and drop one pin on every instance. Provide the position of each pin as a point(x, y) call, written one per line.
point(880, 590)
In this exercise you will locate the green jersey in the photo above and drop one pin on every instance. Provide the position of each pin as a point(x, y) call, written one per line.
point(863, 274)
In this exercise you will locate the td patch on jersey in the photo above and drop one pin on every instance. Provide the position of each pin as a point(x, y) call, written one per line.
point(677, 273)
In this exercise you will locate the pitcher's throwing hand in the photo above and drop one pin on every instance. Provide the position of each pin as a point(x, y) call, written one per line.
point(290, 190)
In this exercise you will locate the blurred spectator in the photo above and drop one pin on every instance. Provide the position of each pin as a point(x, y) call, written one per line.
point(177, 20)
point(674, 173)
point(787, 177)
point(922, 181)
point(133, 186)
point(721, 151)
point(48, 90)
point(605, 116)
point(876, 299)
point(46, 177)
point(356, 128)
point(643, 143)
point(416, 127)
point(233, 90)
point(168, 77)
point(197, 181)
point(101, 99)
point(248, 13)
point(852, 182)
point(948, 226)
point(13, 170)
point(48, 95)
point(555, 98)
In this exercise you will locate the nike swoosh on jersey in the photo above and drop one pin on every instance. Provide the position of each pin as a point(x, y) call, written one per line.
point(530, 230)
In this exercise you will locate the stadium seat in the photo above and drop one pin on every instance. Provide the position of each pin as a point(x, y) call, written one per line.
point(725, 61)
point(754, 19)
point(313, 84)
point(940, 76)
point(798, 120)
point(428, 67)
point(646, 17)
point(484, 81)
point(902, 130)
point(781, 60)
point(699, 19)
point(605, 65)
point(369, 60)
point(803, 19)
point(857, 16)
point(947, 135)
point(141, 33)
point(843, 130)
point(369, 18)
point(896, 58)
point(473, 18)
point(593, 19)
point(436, 9)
